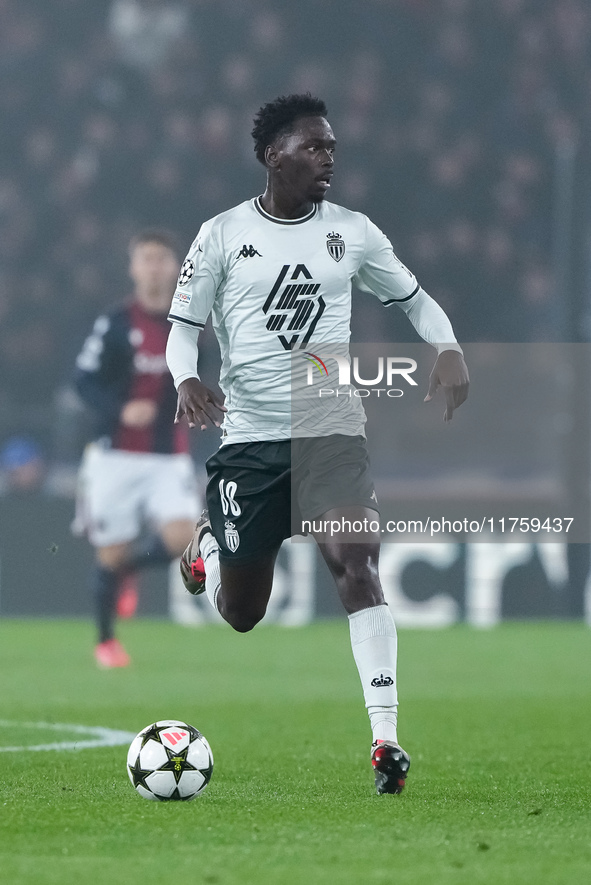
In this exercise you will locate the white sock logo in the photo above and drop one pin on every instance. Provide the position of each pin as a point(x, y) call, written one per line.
point(382, 681)
point(229, 505)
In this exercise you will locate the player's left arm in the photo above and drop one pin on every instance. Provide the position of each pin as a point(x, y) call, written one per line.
point(450, 372)
point(382, 273)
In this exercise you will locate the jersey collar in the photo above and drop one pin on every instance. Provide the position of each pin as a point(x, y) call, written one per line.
point(261, 211)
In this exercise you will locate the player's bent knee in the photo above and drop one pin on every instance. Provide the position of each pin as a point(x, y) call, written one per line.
point(241, 619)
point(245, 594)
point(242, 622)
point(243, 626)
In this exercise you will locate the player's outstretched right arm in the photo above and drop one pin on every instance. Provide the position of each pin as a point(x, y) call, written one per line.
point(195, 400)
point(201, 274)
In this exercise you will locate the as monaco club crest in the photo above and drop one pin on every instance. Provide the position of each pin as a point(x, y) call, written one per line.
point(335, 246)
point(232, 537)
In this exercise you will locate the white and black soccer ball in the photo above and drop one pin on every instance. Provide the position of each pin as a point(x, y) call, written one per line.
point(169, 760)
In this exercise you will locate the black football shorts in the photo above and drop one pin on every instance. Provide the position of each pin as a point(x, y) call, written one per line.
point(258, 493)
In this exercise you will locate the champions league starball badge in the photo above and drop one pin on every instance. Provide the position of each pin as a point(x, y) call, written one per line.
point(187, 271)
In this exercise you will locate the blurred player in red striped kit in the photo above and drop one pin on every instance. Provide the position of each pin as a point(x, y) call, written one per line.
point(138, 500)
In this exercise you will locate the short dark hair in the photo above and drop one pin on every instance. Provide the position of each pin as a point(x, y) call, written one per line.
point(277, 117)
point(155, 235)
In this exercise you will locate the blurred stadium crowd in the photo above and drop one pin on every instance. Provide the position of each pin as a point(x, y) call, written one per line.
point(451, 117)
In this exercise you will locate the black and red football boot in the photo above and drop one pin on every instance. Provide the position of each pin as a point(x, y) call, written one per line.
point(390, 764)
point(191, 565)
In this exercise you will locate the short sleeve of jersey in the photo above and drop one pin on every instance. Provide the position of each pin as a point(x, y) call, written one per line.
point(199, 278)
point(381, 272)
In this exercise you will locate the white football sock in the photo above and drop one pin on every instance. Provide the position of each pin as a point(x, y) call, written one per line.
point(209, 551)
point(374, 644)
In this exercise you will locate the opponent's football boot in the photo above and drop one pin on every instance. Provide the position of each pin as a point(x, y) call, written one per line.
point(390, 764)
point(192, 568)
point(110, 653)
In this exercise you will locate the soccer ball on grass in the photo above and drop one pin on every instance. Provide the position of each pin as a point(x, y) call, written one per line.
point(169, 760)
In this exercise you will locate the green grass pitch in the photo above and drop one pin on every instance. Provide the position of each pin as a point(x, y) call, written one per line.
point(497, 724)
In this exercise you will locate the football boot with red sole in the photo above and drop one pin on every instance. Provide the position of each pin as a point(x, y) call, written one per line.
point(191, 565)
point(390, 764)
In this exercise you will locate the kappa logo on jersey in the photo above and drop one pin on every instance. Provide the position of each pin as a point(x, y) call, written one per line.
point(248, 252)
point(294, 307)
point(335, 246)
point(187, 271)
point(232, 536)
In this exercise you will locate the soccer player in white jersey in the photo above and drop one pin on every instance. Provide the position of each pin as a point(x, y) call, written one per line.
point(276, 273)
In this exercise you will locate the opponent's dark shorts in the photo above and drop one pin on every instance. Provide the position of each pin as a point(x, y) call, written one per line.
point(259, 493)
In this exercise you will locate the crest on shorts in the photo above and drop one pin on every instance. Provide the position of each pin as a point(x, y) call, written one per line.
point(187, 271)
point(335, 246)
point(232, 537)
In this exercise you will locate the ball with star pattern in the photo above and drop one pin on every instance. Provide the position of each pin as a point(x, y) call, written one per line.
point(169, 760)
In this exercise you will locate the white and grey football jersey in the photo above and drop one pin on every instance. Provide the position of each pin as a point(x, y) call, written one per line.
point(276, 287)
